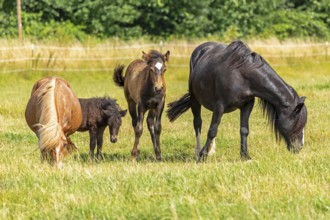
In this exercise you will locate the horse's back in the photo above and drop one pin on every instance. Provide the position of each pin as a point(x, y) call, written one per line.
point(133, 79)
point(134, 69)
point(67, 106)
point(211, 81)
point(200, 50)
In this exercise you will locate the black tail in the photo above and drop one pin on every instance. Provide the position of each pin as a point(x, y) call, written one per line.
point(118, 77)
point(177, 108)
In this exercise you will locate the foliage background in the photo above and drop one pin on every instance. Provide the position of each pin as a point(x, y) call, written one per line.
point(167, 19)
point(274, 185)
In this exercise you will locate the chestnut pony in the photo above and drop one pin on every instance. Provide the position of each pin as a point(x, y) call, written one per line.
point(53, 113)
point(145, 90)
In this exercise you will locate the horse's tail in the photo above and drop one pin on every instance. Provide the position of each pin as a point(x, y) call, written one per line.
point(118, 77)
point(178, 107)
point(49, 131)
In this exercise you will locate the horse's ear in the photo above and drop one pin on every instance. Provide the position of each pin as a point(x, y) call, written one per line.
point(144, 56)
point(300, 105)
point(123, 113)
point(167, 56)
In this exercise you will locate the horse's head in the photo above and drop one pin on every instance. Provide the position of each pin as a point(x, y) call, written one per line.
point(291, 125)
point(113, 117)
point(156, 62)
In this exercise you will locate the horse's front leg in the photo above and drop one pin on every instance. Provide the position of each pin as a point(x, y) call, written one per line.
point(151, 127)
point(138, 129)
point(100, 132)
point(212, 133)
point(92, 142)
point(155, 128)
point(244, 128)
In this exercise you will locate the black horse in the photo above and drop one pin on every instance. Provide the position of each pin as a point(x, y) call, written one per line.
point(98, 113)
point(145, 90)
point(224, 78)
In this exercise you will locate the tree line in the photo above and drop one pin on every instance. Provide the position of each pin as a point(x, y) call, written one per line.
point(167, 19)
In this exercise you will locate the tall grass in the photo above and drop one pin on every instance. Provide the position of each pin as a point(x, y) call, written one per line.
point(275, 184)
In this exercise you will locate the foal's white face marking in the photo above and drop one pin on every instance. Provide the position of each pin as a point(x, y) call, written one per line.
point(159, 65)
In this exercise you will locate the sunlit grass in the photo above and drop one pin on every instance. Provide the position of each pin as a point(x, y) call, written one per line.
point(275, 184)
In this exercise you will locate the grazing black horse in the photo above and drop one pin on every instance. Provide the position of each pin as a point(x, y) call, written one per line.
point(145, 90)
point(98, 113)
point(224, 78)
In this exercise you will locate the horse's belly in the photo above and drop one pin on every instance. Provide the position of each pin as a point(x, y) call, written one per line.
point(204, 92)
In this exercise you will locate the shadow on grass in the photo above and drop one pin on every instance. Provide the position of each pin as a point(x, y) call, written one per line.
point(173, 157)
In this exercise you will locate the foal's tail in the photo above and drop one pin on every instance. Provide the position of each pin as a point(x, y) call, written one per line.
point(118, 77)
point(178, 107)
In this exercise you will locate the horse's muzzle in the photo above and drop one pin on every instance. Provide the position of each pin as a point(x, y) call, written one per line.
point(295, 148)
point(159, 90)
point(113, 139)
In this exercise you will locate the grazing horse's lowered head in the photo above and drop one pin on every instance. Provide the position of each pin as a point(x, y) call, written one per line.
point(289, 123)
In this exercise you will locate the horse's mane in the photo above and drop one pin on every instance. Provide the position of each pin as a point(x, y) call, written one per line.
point(238, 55)
point(50, 132)
point(270, 112)
point(106, 102)
point(272, 116)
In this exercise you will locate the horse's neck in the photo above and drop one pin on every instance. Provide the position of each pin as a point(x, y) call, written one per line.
point(273, 89)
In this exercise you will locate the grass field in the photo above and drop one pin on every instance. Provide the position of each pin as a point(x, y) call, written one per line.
point(275, 184)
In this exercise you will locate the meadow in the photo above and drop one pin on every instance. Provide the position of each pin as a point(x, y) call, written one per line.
point(275, 184)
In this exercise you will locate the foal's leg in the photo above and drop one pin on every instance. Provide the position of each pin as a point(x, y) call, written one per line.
point(92, 142)
point(137, 122)
point(151, 127)
point(213, 130)
point(244, 131)
point(158, 130)
point(196, 110)
point(99, 154)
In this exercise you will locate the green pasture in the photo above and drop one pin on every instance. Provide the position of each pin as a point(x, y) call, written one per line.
point(275, 184)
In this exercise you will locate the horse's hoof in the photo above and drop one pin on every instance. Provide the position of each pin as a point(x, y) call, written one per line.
point(202, 157)
point(133, 159)
point(100, 157)
point(245, 157)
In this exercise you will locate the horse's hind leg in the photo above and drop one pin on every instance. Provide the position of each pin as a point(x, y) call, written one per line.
point(244, 130)
point(196, 110)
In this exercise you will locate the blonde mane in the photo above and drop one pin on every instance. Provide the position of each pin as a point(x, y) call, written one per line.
point(49, 131)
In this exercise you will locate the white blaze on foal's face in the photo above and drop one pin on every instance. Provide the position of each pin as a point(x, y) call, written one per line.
point(159, 65)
